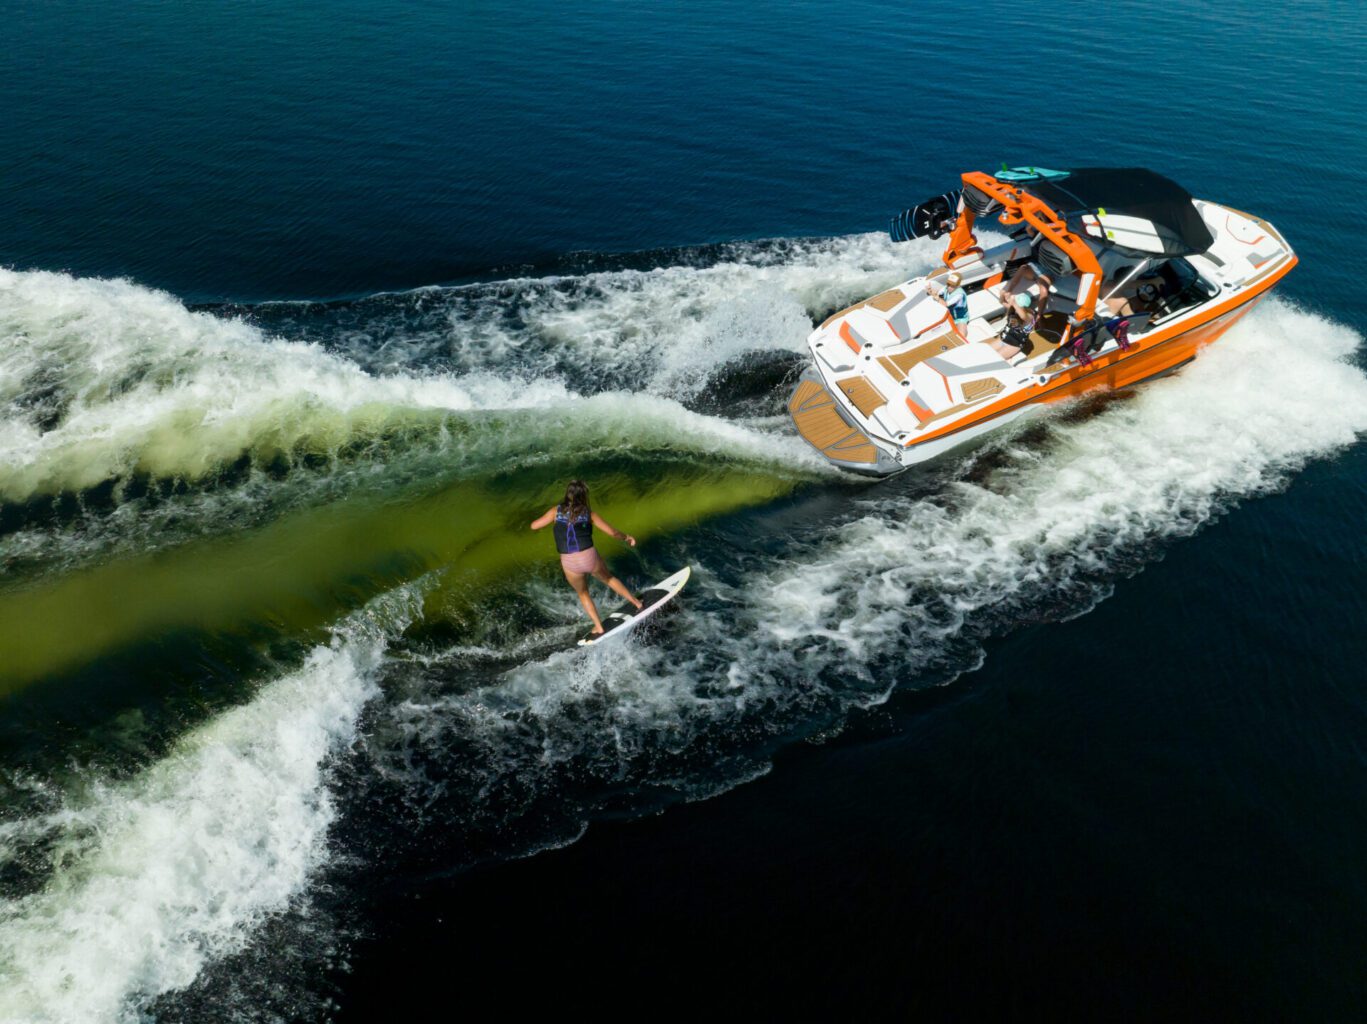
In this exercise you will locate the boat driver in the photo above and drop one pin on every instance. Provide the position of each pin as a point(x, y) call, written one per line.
point(1137, 297)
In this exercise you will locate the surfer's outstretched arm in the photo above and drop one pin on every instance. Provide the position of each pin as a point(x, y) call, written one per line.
point(545, 520)
point(607, 528)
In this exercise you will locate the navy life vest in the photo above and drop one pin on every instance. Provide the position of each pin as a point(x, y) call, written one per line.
point(572, 536)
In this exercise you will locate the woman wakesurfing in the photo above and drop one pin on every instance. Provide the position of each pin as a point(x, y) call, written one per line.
point(574, 522)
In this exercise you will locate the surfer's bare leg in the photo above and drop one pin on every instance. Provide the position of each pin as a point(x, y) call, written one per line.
point(605, 574)
point(580, 582)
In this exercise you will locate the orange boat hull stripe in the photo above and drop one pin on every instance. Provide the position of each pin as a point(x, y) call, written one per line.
point(918, 412)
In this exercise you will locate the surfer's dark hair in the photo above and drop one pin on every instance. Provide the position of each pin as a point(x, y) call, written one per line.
point(576, 503)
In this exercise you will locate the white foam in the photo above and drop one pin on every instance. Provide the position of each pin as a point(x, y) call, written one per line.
point(155, 876)
point(1276, 391)
point(670, 328)
point(131, 381)
point(1057, 513)
point(141, 383)
point(1063, 504)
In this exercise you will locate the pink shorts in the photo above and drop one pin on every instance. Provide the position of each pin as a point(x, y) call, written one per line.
point(580, 561)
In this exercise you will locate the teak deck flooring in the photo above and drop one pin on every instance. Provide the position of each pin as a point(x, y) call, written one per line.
point(900, 364)
point(882, 302)
point(863, 394)
point(818, 420)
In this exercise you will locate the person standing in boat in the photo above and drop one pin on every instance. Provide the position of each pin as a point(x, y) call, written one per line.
point(574, 521)
point(953, 297)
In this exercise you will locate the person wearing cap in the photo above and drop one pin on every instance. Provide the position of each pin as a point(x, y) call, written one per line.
point(953, 297)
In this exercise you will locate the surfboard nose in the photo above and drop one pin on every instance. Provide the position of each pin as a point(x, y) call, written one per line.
point(625, 618)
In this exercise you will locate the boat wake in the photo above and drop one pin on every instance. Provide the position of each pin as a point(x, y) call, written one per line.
point(1051, 518)
point(900, 592)
point(146, 446)
point(150, 878)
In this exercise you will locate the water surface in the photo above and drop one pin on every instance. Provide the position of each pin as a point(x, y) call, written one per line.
point(308, 310)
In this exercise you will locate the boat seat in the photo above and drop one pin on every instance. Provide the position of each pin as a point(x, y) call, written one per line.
point(981, 329)
point(865, 328)
point(919, 319)
point(983, 305)
point(1065, 286)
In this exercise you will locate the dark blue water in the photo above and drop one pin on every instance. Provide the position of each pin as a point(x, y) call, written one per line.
point(340, 148)
point(1124, 779)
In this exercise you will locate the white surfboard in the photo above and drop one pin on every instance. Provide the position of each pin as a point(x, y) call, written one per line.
point(627, 618)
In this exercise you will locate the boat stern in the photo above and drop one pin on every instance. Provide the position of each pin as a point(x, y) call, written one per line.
point(824, 424)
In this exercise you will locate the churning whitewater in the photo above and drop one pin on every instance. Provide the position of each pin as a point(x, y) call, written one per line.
point(414, 689)
point(153, 876)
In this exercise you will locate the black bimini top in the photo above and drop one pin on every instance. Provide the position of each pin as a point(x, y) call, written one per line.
point(1132, 192)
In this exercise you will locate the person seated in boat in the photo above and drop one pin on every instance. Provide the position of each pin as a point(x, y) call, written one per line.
point(1022, 315)
point(953, 297)
point(1135, 297)
point(1031, 281)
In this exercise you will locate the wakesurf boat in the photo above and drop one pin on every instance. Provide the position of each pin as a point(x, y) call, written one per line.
point(1109, 277)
